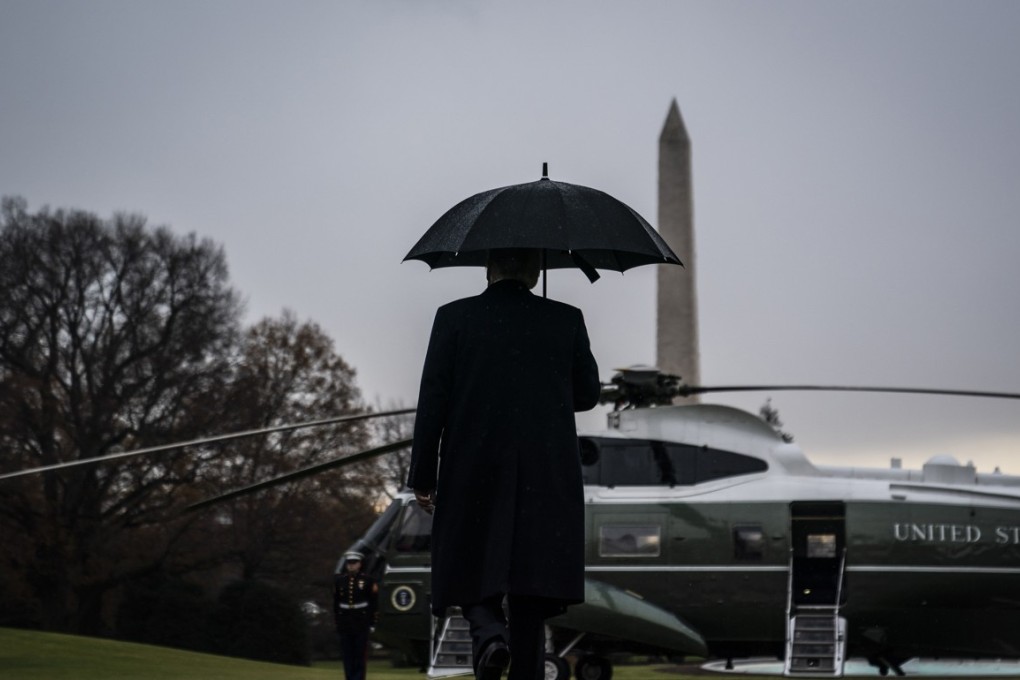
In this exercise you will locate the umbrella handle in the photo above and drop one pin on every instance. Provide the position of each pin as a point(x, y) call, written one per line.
point(545, 270)
point(585, 267)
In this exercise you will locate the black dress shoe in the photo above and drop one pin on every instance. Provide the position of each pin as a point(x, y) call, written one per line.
point(493, 662)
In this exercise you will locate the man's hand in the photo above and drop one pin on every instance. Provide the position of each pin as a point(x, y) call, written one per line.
point(426, 499)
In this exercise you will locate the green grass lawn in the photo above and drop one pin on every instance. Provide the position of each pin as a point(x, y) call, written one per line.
point(31, 655)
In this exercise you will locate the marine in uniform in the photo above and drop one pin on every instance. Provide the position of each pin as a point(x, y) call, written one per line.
point(355, 610)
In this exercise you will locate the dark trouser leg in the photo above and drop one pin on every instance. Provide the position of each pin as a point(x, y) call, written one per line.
point(487, 622)
point(527, 637)
point(354, 648)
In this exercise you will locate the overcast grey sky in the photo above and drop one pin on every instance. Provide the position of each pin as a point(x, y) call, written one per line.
point(856, 175)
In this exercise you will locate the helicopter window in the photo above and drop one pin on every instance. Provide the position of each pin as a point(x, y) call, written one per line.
point(626, 465)
point(638, 462)
point(821, 545)
point(644, 462)
point(415, 533)
point(717, 464)
point(629, 541)
point(589, 450)
point(748, 542)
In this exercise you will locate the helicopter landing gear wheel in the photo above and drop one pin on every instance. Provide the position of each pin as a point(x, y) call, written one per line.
point(593, 668)
point(556, 668)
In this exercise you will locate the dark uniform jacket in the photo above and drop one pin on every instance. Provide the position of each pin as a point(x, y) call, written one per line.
point(355, 602)
point(495, 436)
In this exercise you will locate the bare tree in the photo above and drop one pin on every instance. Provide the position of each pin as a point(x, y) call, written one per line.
point(393, 467)
point(292, 534)
point(113, 336)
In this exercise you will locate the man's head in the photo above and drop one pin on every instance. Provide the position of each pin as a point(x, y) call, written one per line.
point(352, 561)
point(519, 264)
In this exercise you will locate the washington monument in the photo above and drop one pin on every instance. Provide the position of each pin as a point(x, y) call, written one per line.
point(677, 317)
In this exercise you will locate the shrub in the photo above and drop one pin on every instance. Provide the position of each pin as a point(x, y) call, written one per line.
point(256, 621)
point(165, 611)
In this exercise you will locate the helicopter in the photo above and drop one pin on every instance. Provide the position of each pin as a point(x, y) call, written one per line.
point(707, 534)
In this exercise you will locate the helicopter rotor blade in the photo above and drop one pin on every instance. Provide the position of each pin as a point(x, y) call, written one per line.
point(687, 390)
point(303, 472)
point(207, 440)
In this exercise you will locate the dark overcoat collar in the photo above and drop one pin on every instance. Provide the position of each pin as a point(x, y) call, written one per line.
point(506, 285)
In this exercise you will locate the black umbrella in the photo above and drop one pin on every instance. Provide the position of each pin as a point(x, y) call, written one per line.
point(574, 226)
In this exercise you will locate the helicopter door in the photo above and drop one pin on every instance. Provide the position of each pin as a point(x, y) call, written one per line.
point(818, 532)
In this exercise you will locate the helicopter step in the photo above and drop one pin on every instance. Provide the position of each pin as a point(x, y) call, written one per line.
point(816, 642)
point(451, 650)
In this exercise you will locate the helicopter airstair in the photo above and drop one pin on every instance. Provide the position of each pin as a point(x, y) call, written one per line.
point(815, 632)
point(451, 646)
point(815, 642)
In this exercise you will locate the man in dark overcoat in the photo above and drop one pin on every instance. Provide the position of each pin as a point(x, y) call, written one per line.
point(495, 454)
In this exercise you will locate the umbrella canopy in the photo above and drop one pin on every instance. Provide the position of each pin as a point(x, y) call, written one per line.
point(575, 226)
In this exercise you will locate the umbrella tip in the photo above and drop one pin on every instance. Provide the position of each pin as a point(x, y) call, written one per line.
point(545, 170)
